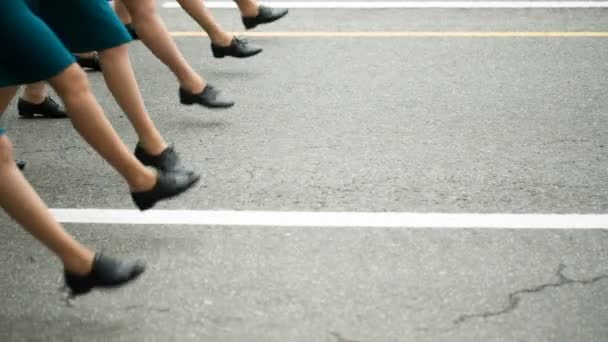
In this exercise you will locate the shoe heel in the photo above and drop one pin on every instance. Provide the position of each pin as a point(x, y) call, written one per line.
point(143, 206)
point(186, 99)
point(249, 25)
point(77, 285)
point(218, 54)
point(186, 102)
point(26, 115)
point(143, 203)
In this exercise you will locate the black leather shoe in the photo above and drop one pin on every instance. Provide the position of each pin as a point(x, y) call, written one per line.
point(168, 185)
point(48, 109)
point(168, 160)
point(107, 272)
point(239, 48)
point(209, 97)
point(20, 164)
point(265, 15)
point(91, 63)
point(132, 32)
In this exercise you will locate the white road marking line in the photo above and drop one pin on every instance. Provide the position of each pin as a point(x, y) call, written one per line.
point(409, 4)
point(406, 34)
point(332, 219)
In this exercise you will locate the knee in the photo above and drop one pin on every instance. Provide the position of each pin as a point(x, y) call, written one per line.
point(140, 10)
point(110, 54)
point(6, 151)
point(72, 85)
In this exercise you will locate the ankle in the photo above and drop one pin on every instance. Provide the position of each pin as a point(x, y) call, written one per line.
point(195, 85)
point(250, 10)
point(144, 181)
point(153, 146)
point(35, 99)
point(81, 264)
point(223, 39)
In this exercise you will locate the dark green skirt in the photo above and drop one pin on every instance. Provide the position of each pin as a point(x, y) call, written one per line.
point(82, 25)
point(30, 51)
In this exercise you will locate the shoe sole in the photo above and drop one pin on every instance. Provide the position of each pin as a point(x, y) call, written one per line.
point(210, 106)
point(26, 115)
point(266, 22)
point(33, 115)
point(149, 205)
point(222, 55)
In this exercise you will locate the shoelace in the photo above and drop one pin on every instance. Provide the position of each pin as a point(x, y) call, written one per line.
point(240, 41)
point(52, 102)
point(211, 92)
point(172, 156)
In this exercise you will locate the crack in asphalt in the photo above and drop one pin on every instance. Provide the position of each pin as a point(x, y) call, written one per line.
point(159, 309)
point(515, 297)
point(339, 337)
point(60, 149)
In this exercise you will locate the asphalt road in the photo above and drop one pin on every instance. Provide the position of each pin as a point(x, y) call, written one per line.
point(508, 125)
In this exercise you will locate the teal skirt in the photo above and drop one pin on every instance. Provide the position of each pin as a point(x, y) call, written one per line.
point(82, 25)
point(30, 51)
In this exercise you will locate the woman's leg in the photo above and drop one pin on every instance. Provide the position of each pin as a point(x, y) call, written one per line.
point(23, 31)
point(89, 120)
point(122, 12)
point(222, 42)
point(35, 92)
point(153, 33)
point(248, 8)
point(87, 117)
point(197, 10)
point(120, 79)
point(23, 204)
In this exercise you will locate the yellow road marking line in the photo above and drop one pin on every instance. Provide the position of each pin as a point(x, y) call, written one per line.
point(407, 34)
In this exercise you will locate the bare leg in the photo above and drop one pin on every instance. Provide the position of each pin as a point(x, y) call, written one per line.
point(153, 33)
point(122, 12)
point(25, 206)
point(89, 120)
point(35, 92)
point(201, 14)
point(248, 8)
point(120, 79)
point(6, 95)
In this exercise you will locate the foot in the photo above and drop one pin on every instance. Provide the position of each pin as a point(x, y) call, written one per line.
point(265, 15)
point(168, 185)
point(48, 109)
point(209, 97)
point(107, 272)
point(167, 160)
point(131, 31)
point(20, 164)
point(239, 48)
point(91, 63)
